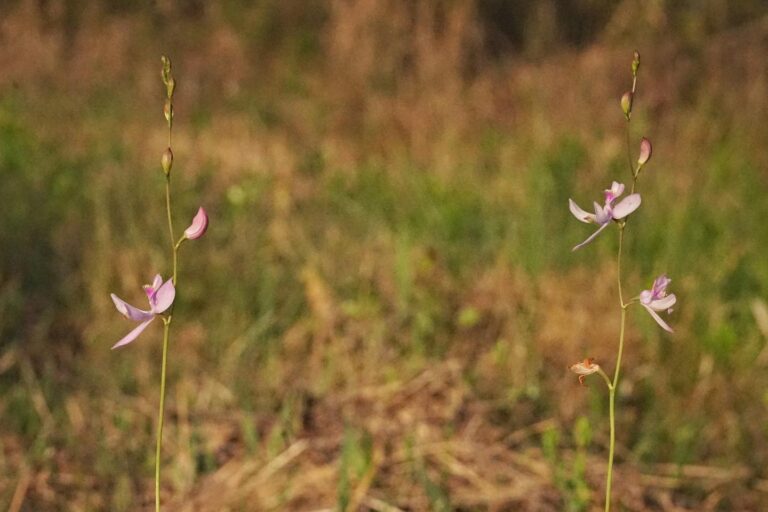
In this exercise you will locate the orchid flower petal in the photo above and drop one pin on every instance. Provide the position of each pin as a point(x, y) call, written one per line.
point(626, 206)
point(658, 319)
point(164, 297)
point(130, 312)
point(664, 303)
point(580, 214)
point(591, 237)
point(133, 334)
point(614, 192)
point(660, 285)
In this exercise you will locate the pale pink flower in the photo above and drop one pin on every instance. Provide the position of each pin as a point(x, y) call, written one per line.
point(656, 299)
point(605, 214)
point(160, 295)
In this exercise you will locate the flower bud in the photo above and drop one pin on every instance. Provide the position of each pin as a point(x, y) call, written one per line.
point(167, 161)
point(165, 73)
point(170, 86)
point(168, 110)
point(626, 103)
point(199, 225)
point(635, 63)
point(645, 152)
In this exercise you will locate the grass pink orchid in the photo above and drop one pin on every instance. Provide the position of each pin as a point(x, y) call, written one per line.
point(656, 299)
point(605, 214)
point(160, 295)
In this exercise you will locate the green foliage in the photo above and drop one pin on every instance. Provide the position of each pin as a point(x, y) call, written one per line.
point(570, 474)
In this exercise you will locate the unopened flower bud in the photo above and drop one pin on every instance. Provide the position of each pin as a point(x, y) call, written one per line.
point(168, 110)
point(645, 152)
point(626, 103)
point(167, 161)
point(165, 73)
point(170, 86)
point(635, 63)
point(199, 225)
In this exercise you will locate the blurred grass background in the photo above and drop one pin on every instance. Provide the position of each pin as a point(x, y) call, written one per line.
point(383, 310)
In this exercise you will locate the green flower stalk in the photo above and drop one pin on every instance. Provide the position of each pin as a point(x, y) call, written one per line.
point(162, 294)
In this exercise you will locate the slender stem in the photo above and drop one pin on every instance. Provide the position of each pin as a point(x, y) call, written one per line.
point(612, 411)
point(174, 247)
point(629, 157)
point(161, 411)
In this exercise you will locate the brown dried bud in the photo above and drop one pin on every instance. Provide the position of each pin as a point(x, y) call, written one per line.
point(167, 161)
point(645, 152)
point(582, 369)
point(626, 103)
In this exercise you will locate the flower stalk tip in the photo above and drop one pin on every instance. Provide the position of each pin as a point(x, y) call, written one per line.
point(635, 63)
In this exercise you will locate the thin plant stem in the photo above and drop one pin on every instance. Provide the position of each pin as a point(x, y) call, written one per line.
point(174, 246)
point(160, 414)
point(612, 413)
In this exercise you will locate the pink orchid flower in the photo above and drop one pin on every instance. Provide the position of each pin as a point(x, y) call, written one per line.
point(656, 299)
point(605, 214)
point(160, 295)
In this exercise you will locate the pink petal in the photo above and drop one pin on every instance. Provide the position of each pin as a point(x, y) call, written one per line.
point(133, 334)
point(130, 312)
point(591, 237)
point(660, 285)
point(163, 297)
point(199, 225)
point(614, 192)
point(663, 304)
point(658, 319)
point(626, 206)
point(580, 214)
